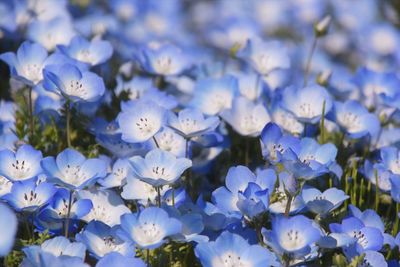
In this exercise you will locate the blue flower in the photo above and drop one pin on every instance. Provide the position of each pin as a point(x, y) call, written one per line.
point(149, 228)
point(54, 252)
point(192, 226)
point(265, 57)
point(287, 184)
point(100, 240)
point(293, 236)
point(28, 63)
point(391, 159)
point(5, 186)
point(171, 141)
point(286, 120)
point(22, 165)
point(29, 196)
point(140, 121)
point(191, 123)
point(8, 221)
point(212, 96)
point(72, 170)
point(356, 120)
point(107, 206)
point(311, 160)
point(237, 181)
point(373, 258)
point(274, 143)
point(376, 87)
point(117, 260)
point(323, 203)
point(377, 172)
point(35, 257)
point(163, 59)
point(144, 193)
point(372, 219)
point(307, 103)
point(118, 147)
point(247, 118)
point(159, 167)
point(233, 250)
point(120, 172)
point(363, 237)
point(161, 98)
point(60, 245)
point(58, 206)
point(51, 32)
point(250, 85)
point(74, 84)
point(94, 52)
point(253, 201)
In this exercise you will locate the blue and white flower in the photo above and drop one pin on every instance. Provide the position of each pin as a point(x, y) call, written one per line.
point(191, 123)
point(21, 165)
point(247, 118)
point(292, 236)
point(8, 221)
point(356, 120)
point(159, 167)
point(29, 195)
point(322, 203)
point(74, 84)
point(100, 240)
point(149, 228)
point(72, 170)
point(140, 121)
point(307, 103)
point(28, 63)
point(107, 206)
point(265, 57)
point(95, 52)
point(233, 250)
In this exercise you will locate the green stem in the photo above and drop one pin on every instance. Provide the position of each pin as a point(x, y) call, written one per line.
point(376, 191)
point(27, 225)
point(68, 213)
point(354, 173)
point(148, 257)
point(396, 222)
point(31, 121)
point(309, 58)
point(68, 121)
point(369, 186)
point(361, 196)
point(159, 195)
point(288, 204)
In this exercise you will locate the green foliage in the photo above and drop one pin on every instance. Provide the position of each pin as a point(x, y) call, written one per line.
point(16, 256)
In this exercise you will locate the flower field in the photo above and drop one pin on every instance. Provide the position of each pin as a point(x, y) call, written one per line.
point(216, 133)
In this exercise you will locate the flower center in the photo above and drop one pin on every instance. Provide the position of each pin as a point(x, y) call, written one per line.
point(292, 240)
point(76, 88)
point(32, 72)
point(21, 169)
point(361, 238)
point(163, 64)
point(148, 233)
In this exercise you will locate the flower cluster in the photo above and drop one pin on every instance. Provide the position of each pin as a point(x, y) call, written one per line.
point(199, 133)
